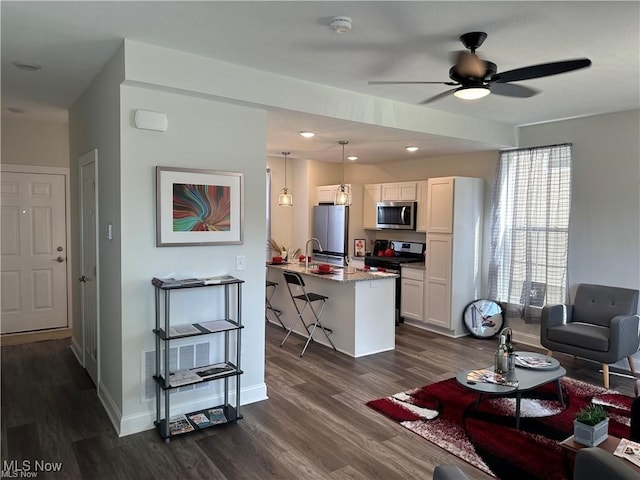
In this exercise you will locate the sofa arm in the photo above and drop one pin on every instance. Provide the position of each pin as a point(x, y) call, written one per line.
point(448, 472)
point(624, 335)
point(595, 463)
point(554, 315)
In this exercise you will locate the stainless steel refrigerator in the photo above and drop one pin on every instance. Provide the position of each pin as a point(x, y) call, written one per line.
point(330, 226)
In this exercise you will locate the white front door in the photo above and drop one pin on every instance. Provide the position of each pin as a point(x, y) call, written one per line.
point(88, 263)
point(34, 252)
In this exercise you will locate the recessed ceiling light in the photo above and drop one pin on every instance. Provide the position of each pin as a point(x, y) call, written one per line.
point(352, 158)
point(15, 109)
point(411, 149)
point(307, 134)
point(27, 66)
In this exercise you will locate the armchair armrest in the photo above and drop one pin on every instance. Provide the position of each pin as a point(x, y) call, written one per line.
point(624, 335)
point(596, 463)
point(554, 315)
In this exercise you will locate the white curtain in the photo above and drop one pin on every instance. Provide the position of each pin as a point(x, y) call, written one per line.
point(530, 229)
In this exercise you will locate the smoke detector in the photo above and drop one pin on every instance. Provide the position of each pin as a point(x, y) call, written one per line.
point(340, 24)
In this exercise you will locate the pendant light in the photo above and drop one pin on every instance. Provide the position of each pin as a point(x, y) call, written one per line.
point(343, 193)
point(285, 199)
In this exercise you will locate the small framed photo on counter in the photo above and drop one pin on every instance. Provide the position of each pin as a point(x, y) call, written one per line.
point(359, 247)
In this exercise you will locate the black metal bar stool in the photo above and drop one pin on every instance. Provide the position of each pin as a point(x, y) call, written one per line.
point(269, 291)
point(308, 298)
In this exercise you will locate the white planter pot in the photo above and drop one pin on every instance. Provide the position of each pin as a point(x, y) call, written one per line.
point(591, 435)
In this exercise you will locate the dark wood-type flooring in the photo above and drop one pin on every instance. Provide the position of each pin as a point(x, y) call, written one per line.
point(313, 426)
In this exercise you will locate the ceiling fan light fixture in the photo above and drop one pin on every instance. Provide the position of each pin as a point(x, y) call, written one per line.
point(411, 149)
point(472, 93)
point(307, 134)
point(353, 158)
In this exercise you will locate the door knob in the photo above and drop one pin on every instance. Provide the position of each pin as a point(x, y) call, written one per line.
point(83, 279)
point(60, 259)
point(59, 249)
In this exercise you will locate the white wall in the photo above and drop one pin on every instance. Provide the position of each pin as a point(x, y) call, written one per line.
point(148, 64)
point(26, 141)
point(604, 231)
point(202, 134)
point(94, 123)
point(282, 218)
point(481, 165)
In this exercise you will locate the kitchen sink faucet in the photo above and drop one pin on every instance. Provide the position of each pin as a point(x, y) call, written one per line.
point(306, 251)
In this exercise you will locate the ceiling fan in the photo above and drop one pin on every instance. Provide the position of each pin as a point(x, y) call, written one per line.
point(475, 78)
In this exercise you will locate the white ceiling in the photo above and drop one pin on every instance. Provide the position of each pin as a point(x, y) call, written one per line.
point(389, 41)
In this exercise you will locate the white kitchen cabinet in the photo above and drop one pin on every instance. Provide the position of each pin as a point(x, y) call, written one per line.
point(326, 193)
point(454, 250)
point(438, 280)
point(372, 196)
point(412, 293)
point(405, 191)
point(440, 204)
point(423, 200)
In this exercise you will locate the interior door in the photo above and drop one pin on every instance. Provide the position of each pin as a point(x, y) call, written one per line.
point(33, 246)
point(88, 263)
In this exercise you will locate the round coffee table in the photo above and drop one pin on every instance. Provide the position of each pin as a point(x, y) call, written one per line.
point(528, 379)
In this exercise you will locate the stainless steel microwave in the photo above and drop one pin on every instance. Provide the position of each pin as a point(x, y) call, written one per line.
point(396, 215)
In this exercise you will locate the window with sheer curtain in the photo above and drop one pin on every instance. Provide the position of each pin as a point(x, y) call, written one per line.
point(530, 230)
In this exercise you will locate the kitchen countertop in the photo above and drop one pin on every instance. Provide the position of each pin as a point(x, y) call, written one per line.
point(341, 275)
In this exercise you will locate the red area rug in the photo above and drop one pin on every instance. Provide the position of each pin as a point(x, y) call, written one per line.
point(485, 436)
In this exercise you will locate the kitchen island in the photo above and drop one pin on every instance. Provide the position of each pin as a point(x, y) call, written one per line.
point(360, 310)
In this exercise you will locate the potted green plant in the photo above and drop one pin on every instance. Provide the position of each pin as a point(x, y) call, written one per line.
point(591, 425)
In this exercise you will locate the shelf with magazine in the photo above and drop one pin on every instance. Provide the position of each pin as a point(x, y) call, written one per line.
point(226, 369)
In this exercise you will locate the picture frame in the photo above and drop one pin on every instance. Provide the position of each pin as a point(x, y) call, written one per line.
point(198, 207)
point(359, 247)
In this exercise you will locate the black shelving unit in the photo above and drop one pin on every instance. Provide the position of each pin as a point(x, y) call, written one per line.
point(226, 369)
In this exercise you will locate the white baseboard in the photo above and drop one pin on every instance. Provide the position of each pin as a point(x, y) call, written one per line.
point(76, 349)
point(110, 406)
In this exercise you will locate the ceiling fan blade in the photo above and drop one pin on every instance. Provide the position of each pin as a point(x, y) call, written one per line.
point(542, 70)
point(438, 97)
point(392, 82)
point(512, 90)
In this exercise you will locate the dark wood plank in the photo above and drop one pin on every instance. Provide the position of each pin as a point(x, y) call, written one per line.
point(315, 423)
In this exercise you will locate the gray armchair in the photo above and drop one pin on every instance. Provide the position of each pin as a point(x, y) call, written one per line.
point(591, 463)
point(601, 325)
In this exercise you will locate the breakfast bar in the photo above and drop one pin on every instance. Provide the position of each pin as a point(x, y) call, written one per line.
point(360, 310)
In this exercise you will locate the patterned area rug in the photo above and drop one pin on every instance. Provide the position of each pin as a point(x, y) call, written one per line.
point(485, 436)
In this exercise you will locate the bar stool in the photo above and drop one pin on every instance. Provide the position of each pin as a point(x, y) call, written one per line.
point(269, 291)
point(308, 298)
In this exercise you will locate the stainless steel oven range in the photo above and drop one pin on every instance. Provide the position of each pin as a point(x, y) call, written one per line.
point(390, 254)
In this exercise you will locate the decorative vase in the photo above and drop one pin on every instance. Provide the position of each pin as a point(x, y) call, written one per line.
point(591, 435)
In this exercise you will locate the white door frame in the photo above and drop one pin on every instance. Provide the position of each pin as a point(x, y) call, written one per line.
point(85, 159)
point(67, 214)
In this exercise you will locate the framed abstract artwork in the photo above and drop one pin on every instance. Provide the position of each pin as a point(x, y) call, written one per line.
point(198, 207)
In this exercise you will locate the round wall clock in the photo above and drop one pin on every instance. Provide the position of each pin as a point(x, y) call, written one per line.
point(483, 318)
